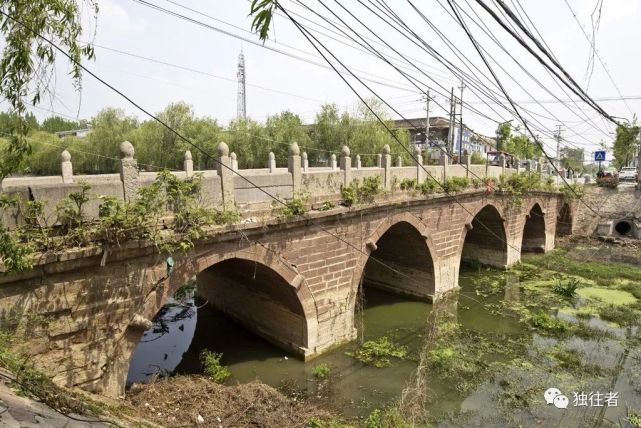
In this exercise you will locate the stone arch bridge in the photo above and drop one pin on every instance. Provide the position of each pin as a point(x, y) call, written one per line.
point(293, 282)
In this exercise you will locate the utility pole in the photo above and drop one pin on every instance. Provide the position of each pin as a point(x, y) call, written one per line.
point(428, 98)
point(241, 100)
point(460, 134)
point(557, 137)
point(450, 133)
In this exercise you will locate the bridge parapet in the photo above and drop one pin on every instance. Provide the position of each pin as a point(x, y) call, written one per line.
point(226, 187)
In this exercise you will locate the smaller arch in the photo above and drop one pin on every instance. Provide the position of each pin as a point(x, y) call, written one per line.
point(564, 220)
point(534, 236)
point(400, 262)
point(484, 238)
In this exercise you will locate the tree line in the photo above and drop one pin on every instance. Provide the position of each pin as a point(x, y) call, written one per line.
point(158, 147)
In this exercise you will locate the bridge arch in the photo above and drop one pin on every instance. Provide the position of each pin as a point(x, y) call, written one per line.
point(253, 286)
point(485, 237)
point(534, 235)
point(403, 244)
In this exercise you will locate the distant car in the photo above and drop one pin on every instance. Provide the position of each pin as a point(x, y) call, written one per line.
point(628, 173)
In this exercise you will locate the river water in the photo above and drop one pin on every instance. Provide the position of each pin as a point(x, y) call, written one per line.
point(509, 395)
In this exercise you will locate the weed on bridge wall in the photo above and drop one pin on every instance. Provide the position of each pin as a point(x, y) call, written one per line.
point(167, 198)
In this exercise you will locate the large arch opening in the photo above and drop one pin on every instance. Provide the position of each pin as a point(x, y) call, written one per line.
point(485, 241)
point(534, 231)
point(401, 263)
point(258, 298)
point(240, 308)
point(564, 221)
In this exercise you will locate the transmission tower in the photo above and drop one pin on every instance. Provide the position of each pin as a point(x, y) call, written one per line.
point(241, 101)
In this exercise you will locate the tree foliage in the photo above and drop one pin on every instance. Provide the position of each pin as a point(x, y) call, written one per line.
point(520, 145)
point(28, 60)
point(624, 145)
point(572, 158)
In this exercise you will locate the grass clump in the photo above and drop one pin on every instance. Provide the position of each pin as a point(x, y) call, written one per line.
point(455, 184)
point(321, 371)
point(566, 289)
point(389, 418)
point(357, 193)
point(442, 358)
point(634, 418)
point(378, 352)
point(547, 323)
point(295, 206)
point(212, 366)
point(429, 186)
point(408, 184)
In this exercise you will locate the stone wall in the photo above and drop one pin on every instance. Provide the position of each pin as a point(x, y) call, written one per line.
point(295, 282)
point(605, 206)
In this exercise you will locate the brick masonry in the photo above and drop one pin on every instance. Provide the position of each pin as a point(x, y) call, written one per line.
point(294, 282)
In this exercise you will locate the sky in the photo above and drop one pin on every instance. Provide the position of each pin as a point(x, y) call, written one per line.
point(204, 62)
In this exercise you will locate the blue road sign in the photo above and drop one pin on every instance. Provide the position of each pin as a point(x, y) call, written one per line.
point(599, 156)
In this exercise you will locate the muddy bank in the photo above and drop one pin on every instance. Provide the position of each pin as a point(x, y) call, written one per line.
point(185, 401)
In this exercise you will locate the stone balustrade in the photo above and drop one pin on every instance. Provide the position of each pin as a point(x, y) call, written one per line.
point(247, 189)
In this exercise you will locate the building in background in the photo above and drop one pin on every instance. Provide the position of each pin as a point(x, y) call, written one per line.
point(439, 131)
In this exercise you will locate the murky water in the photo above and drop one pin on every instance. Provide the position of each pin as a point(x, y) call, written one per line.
point(511, 396)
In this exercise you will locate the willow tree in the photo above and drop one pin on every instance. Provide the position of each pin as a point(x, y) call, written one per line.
point(36, 33)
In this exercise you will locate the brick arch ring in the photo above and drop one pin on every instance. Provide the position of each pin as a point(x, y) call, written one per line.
point(380, 230)
point(470, 219)
point(254, 253)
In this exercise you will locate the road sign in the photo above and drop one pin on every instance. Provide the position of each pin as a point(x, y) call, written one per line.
point(599, 156)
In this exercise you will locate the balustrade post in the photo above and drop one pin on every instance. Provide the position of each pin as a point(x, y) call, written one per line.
point(226, 174)
point(346, 165)
point(358, 161)
point(445, 160)
point(387, 167)
point(234, 162)
point(188, 164)
point(418, 162)
point(66, 167)
point(293, 166)
point(271, 162)
point(129, 175)
point(332, 162)
point(305, 162)
point(466, 161)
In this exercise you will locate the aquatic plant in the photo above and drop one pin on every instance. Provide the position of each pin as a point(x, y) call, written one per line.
point(389, 418)
point(566, 289)
point(378, 352)
point(212, 367)
point(321, 371)
point(620, 314)
point(545, 322)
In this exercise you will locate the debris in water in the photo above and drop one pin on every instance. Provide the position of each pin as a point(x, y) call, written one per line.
point(200, 419)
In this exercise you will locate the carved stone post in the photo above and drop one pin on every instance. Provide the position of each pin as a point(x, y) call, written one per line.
point(420, 172)
point(445, 160)
point(66, 167)
point(399, 161)
point(128, 171)
point(305, 162)
point(387, 166)
point(358, 161)
point(234, 162)
point(332, 162)
point(271, 162)
point(379, 160)
point(346, 165)
point(188, 164)
point(226, 174)
point(502, 163)
point(293, 165)
point(466, 161)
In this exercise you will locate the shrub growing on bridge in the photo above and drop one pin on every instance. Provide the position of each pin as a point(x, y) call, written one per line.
point(356, 193)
